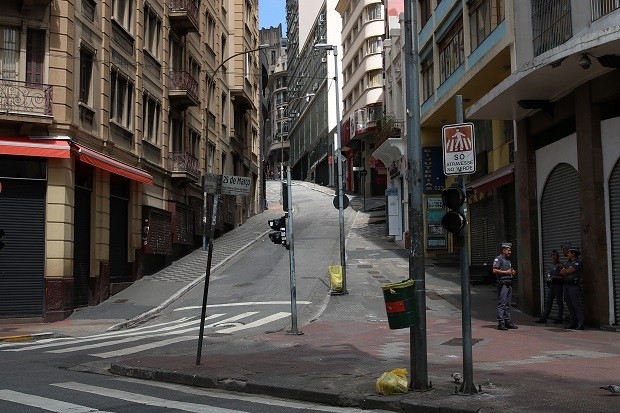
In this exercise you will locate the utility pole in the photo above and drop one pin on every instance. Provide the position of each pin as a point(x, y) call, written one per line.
point(418, 343)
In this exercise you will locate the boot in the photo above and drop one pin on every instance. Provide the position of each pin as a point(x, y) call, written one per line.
point(511, 326)
point(502, 326)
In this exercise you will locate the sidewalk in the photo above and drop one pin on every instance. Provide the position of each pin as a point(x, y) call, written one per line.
point(340, 355)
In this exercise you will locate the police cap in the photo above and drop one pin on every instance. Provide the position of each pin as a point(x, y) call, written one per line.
point(506, 245)
point(575, 250)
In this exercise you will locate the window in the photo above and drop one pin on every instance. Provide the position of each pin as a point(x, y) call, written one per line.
point(375, 78)
point(122, 13)
point(484, 16)
point(374, 45)
point(425, 11)
point(152, 32)
point(121, 100)
point(210, 156)
point(86, 73)
point(151, 112)
point(176, 134)
point(210, 31)
point(194, 141)
point(428, 79)
point(451, 52)
point(551, 24)
point(374, 11)
point(88, 9)
point(194, 68)
point(9, 53)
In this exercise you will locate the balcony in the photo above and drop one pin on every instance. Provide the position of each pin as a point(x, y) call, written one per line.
point(184, 168)
point(183, 16)
point(237, 142)
point(20, 100)
point(28, 5)
point(183, 90)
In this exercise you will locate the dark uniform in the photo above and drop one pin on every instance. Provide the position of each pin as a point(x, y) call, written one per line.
point(504, 287)
point(555, 291)
point(572, 290)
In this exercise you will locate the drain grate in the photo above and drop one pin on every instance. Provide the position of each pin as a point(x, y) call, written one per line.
point(121, 301)
point(458, 341)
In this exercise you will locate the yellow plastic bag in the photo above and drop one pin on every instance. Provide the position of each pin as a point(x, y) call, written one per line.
point(392, 382)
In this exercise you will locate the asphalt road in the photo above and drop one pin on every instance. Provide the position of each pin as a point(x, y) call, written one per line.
point(249, 295)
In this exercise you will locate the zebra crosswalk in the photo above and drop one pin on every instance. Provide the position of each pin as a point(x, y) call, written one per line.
point(127, 342)
point(110, 395)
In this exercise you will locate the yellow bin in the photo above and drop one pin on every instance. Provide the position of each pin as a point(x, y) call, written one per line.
point(335, 278)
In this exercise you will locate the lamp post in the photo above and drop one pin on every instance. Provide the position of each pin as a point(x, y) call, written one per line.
point(338, 158)
point(204, 194)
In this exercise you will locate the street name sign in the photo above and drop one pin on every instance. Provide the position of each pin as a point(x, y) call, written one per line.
point(227, 184)
point(458, 144)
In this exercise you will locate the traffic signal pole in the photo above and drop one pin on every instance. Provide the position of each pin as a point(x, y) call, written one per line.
point(468, 385)
point(291, 255)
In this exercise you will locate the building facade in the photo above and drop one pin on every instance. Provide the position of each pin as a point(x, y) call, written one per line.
point(566, 159)
point(111, 113)
point(363, 31)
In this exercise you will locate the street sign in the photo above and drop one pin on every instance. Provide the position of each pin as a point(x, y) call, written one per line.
point(227, 184)
point(236, 185)
point(210, 182)
point(458, 144)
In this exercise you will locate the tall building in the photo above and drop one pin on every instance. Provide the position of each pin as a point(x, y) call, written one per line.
point(313, 75)
point(558, 91)
point(111, 112)
point(277, 144)
point(363, 31)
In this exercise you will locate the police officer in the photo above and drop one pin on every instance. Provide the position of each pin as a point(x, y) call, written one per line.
point(503, 271)
point(555, 289)
point(572, 273)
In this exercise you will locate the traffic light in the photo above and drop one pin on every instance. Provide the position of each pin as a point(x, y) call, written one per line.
point(284, 196)
point(454, 220)
point(278, 235)
point(1, 237)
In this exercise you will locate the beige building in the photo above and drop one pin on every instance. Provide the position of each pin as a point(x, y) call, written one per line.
point(111, 111)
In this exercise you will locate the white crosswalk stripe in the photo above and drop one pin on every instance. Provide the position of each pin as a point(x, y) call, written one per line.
point(159, 335)
point(45, 403)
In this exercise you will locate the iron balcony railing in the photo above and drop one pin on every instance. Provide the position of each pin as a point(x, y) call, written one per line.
point(183, 162)
point(182, 80)
point(551, 24)
point(25, 98)
point(601, 8)
point(187, 6)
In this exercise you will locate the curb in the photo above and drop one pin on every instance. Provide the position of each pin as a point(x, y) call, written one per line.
point(325, 397)
point(26, 337)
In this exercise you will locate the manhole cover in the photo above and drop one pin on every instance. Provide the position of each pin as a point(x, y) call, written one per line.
point(242, 285)
point(122, 300)
point(458, 341)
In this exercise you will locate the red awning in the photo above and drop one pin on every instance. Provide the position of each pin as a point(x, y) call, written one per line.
point(495, 179)
point(46, 148)
point(111, 165)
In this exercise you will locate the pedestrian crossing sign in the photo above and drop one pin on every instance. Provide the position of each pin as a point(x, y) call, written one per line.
point(458, 149)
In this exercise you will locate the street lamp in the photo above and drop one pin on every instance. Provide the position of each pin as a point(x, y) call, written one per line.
point(338, 157)
point(204, 190)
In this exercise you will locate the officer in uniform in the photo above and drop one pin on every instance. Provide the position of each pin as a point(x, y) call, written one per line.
point(503, 271)
point(572, 273)
point(555, 289)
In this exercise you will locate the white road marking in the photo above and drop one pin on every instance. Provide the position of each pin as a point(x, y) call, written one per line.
point(45, 403)
point(195, 307)
point(256, 323)
point(142, 399)
point(143, 347)
point(124, 333)
point(149, 335)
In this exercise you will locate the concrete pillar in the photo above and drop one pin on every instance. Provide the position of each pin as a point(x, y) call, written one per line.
point(592, 201)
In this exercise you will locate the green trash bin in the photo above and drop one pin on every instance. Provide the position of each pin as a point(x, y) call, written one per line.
point(400, 304)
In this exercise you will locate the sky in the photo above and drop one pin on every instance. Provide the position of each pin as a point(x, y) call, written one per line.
point(272, 13)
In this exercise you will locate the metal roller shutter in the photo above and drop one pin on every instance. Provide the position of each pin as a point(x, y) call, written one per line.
point(483, 246)
point(614, 211)
point(81, 246)
point(22, 216)
point(559, 217)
